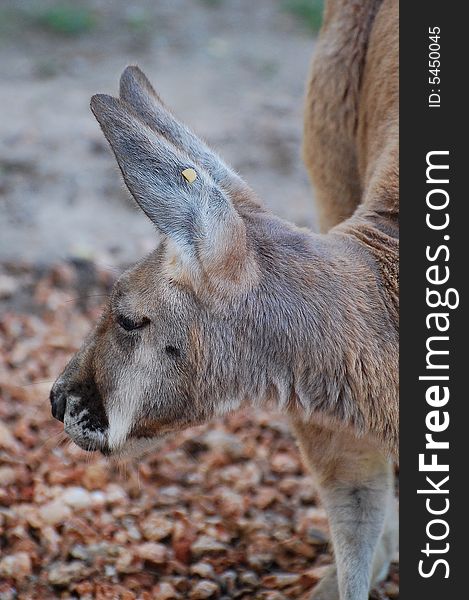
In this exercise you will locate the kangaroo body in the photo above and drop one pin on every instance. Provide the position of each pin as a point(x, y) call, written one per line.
point(351, 151)
point(236, 305)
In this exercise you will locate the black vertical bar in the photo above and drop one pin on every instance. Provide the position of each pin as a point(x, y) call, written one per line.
point(433, 123)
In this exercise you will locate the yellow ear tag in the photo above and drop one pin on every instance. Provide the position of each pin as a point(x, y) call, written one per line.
point(190, 175)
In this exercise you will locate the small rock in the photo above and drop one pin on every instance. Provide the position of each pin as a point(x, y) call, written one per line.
point(54, 512)
point(316, 537)
point(164, 591)
point(288, 485)
point(7, 592)
point(115, 494)
point(316, 514)
point(203, 589)
point(7, 476)
point(156, 528)
point(180, 584)
point(231, 502)
point(155, 553)
point(77, 497)
point(203, 570)
point(391, 589)
point(30, 513)
point(95, 477)
point(121, 537)
point(65, 477)
point(16, 565)
point(182, 550)
point(98, 498)
point(63, 574)
point(227, 443)
point(260, 556)
point(110, 571)
point(317, 573)
point(274, 596)
point(250, 476)
point(280, 580)
point(206, 545)
point(259, 561)
point(307, 492)
point(93, 551)
point(134, 533)
point(284, 463)
point(265, 497)
point(250, 579)
point(81, 552)
point(7, 439)
point(169, 495)
point(124, 561)
point(297, 546)
point(52, 539)
point(228, 581)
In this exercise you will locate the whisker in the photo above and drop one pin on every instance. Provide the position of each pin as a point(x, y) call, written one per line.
point(68, 445)
point(87, 455)
point(191, 455)
point(64, 440)
point(139, 482)
point(22, 385)
point(110, 268)
point(86, 297)
point(39, 408)
point(90, 455)
point(55, 438)
point(122, 467)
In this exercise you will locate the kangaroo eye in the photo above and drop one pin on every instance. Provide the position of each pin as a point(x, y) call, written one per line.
point(130, 324)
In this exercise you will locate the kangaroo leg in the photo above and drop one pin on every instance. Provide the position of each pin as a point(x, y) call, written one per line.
point(328, 587)
point(355, 483)
point(389, 541)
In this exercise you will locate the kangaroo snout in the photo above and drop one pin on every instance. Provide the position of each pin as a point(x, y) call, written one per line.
point(79, 406)
point(58, 401)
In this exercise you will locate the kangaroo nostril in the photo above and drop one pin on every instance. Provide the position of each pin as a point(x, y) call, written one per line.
point(58, 403)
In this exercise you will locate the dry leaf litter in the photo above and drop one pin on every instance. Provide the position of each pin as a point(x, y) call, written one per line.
point(224, 511)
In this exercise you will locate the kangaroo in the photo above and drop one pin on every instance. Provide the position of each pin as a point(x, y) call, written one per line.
point(237, 306)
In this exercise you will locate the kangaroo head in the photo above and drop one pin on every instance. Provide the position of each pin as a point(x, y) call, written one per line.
point(168, 349)
point(234, 304)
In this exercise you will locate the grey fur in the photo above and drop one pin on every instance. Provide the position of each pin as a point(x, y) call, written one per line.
point(260, 311)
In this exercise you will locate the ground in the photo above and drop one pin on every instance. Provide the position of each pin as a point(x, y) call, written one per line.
point(236, 76)
point(224, 511)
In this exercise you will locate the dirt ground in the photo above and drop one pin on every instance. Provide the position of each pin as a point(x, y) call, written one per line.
point(221, 512)
point(225, 511)
point(233, 70)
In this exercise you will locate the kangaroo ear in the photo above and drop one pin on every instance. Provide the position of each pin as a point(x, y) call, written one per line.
point(136, 90)
point(208, 234)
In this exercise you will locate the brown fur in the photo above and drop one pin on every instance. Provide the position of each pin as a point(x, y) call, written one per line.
point(351, 138)
point(238, 306)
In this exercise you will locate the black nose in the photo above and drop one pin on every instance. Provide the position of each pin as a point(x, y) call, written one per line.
point(58, 402)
